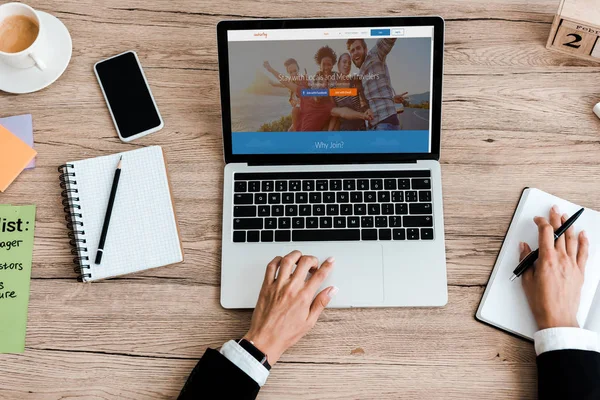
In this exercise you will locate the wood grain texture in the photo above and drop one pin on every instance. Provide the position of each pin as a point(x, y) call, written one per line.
point(511, 110)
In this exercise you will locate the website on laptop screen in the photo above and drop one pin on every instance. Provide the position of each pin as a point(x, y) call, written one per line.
point(339, 90)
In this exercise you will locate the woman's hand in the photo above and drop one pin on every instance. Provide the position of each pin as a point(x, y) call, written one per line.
point(553, 285)
point(287, 307)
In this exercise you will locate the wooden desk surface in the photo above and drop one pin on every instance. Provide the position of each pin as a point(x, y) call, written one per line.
point(514, 115)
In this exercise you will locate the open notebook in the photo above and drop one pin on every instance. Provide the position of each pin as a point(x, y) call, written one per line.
point(504, 304)
point(143, 229)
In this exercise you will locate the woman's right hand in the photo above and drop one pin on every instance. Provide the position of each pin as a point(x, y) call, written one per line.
point(287, 307)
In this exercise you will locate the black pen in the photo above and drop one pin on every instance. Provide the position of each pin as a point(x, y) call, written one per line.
point(111, 202)
point(531, 257)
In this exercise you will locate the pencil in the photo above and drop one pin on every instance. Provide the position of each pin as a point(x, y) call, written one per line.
point(111, 202)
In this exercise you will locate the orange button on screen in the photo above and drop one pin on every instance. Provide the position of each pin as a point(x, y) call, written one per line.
point(343, 92)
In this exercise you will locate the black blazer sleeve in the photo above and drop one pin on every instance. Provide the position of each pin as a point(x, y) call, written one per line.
point(216, 377)
point(569, 374)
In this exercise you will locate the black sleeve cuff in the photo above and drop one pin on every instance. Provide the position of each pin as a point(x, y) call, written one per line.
point(216, 377)
point(569, 374)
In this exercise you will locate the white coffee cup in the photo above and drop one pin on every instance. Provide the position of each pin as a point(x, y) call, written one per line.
point(30, 56)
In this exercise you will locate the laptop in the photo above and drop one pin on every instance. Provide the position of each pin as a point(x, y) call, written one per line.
point(331, 131)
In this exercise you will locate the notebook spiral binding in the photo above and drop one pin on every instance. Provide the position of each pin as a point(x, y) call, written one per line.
point(74, 217)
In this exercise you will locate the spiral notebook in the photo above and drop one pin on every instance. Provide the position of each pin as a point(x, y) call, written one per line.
point(143, 230)
point(504, 304)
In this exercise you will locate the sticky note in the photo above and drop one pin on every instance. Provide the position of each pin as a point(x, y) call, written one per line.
point(15, 154)
point(17, 224)
point(22, 127)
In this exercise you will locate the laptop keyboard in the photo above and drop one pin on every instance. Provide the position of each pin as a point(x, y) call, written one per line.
point(332, 206)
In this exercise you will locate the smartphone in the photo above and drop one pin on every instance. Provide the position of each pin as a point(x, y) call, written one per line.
point(128, 96)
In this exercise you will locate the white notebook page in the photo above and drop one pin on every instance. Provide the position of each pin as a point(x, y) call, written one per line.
point(504, 303)
point(593, 320)
point(143, 231)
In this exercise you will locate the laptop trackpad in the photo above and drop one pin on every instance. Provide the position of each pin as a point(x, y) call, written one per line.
point(358, 271)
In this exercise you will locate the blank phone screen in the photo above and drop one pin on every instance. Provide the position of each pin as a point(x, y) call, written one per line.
point(128, 95)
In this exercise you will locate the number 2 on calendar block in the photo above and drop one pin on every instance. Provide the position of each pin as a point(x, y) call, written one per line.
point(569, 38)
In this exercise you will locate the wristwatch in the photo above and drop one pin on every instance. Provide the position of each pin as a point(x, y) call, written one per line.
point(254, 352)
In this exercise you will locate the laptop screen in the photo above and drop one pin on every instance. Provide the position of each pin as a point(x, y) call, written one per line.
point(327, 91)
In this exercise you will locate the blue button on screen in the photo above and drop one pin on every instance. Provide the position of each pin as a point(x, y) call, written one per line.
point(380, 32)
point(315, 92)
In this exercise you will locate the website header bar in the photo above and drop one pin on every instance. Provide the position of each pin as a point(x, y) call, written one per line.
point(329, 33)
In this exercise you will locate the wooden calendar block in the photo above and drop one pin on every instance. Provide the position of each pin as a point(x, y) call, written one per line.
point(571, 38)
point(576, 29)
point(596, 52)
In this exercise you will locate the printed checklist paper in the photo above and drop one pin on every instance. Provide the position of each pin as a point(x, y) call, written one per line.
point(16, 250)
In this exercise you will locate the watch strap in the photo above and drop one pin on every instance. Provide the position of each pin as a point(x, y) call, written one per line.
point(255, 352)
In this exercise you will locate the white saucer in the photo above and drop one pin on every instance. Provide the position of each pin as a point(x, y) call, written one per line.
point(57, 55)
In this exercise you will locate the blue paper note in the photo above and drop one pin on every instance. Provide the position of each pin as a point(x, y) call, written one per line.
point(22, 127)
